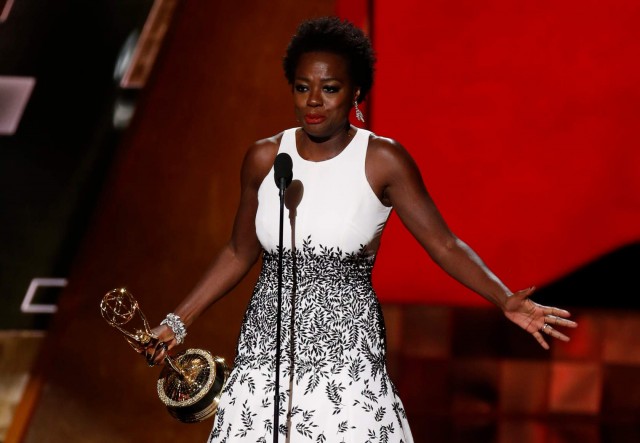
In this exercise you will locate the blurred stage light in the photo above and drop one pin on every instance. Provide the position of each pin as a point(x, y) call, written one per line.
point(5, 9)
point(14, 95)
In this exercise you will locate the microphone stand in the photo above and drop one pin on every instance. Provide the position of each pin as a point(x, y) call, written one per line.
point(276, 404)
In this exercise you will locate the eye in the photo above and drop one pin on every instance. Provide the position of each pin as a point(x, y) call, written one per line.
point(301, 88)
point(331, 89)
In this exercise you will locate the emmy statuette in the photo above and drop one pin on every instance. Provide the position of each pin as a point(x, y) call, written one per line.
point(191, 382)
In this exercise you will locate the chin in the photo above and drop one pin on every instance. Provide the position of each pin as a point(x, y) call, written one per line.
point(315, 130)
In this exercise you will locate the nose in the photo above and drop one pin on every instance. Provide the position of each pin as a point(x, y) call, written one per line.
point(314, 99)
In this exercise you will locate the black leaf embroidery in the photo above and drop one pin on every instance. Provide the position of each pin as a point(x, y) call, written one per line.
point(247, 420)
point(355, 369)
point(368, 407)
point(399, 413)
point(380, 413)
point(304, 429)
point(370, 395)
point(333, 348)
point(307, 415)
point(333, 391)
point(344, 427)
point(384, 433)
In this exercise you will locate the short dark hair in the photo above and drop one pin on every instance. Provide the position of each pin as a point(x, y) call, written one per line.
point(330, 34)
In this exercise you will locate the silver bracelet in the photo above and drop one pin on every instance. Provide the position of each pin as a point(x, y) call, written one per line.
point(177, 326)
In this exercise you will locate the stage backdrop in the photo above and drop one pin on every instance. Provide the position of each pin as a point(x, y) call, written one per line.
point(523, 118)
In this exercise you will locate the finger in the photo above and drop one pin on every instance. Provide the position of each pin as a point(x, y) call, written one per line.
point(558, 321)
point(538, 336)
point(547, 329)
point(555, 312)
point(149, 357)
point(525, 293)
point(163, 351)
point(159, 353)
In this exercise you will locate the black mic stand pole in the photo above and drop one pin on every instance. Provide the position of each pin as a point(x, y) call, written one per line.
point(276, 404)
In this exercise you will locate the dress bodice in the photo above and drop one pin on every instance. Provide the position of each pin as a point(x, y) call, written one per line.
point(329, 203)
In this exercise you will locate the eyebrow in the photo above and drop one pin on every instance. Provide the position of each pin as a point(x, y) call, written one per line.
point(327, 79)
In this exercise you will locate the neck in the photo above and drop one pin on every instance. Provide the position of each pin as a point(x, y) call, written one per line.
point(325, 147)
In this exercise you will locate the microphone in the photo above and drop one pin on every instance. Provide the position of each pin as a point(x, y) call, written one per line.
point(282, 173)
point(283, 170)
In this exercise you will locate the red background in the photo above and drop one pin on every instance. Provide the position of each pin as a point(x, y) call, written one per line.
point(523, 118)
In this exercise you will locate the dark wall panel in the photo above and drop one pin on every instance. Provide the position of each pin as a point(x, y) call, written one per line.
point(52, 168)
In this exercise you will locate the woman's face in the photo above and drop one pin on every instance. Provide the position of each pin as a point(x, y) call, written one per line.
point(323, 93)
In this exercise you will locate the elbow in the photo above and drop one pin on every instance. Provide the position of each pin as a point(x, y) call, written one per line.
point(247, 255)
point(444, 247)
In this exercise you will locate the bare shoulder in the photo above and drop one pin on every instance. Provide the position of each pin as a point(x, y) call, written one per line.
point(387, 154)
point(259, 158)
point(264, 150)
point(389, 166)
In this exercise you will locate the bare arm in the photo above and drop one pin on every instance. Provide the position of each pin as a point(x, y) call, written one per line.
point(237, 257)
point(396, 180)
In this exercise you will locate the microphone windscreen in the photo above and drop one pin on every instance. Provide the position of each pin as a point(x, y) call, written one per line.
point(283, 168)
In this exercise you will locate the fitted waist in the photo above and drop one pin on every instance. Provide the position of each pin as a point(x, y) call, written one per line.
point(314, 267)
point(330, 313)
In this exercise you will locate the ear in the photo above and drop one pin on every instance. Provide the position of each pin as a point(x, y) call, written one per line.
point(356, 94)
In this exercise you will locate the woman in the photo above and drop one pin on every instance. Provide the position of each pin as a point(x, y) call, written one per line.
point(335, 385)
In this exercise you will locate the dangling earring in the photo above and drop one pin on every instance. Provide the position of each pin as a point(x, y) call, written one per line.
point(359, 114)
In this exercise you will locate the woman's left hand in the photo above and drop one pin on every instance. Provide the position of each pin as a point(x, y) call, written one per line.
point(536, 319)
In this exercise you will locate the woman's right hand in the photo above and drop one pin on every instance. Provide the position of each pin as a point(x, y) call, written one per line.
point(158, 348)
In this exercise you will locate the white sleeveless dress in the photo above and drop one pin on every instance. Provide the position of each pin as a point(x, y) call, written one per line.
point(334, 381)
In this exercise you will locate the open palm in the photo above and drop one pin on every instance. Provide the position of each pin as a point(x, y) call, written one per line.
point(537, 319)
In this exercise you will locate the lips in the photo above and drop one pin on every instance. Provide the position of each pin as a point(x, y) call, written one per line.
point(314, 119)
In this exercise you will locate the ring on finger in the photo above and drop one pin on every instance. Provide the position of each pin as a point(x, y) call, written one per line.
point(544, 328)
